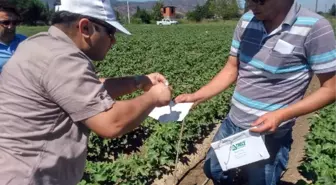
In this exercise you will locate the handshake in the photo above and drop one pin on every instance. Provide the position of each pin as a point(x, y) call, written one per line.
point(157, 86)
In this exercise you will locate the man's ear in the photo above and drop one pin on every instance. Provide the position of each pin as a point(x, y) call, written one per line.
point(85, 28)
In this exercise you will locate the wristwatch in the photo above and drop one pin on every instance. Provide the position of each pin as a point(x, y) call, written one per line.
point(137, 80)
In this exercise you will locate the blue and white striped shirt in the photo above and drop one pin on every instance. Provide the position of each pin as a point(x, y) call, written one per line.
point(275, 69)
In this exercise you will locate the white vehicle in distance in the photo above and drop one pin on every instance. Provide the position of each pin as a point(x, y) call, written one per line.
point(166, 22)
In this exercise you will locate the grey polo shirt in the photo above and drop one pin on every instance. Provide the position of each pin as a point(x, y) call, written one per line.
point(46, 89)
point(275, 68)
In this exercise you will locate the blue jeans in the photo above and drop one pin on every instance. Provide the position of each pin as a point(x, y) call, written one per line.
point(266, 172)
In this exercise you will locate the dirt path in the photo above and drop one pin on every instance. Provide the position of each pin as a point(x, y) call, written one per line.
point(292, 175)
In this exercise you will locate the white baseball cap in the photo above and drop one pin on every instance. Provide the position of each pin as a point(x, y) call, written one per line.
point(99, 9)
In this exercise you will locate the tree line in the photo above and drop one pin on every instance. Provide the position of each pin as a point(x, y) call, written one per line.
point(212, 9)
point(215, 9)
point(35, 12)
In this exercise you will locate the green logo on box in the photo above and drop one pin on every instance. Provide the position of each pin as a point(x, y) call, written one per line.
point(238, 145)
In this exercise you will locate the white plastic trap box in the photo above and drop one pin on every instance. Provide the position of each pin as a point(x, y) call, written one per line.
point(240, 149)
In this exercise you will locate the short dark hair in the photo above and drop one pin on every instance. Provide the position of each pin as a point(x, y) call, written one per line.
point(65, 18)
point(7, 6)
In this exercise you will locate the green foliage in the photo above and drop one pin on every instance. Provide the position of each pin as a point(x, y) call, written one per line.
point(332, 11)
point(222, 9)
point(207, 12)
point(319, 164)
point(156, 11)
point(196, 15)
point(32, 11)
point(189, 55)
point(143, 15)
point(117, 14)
point(31, 30)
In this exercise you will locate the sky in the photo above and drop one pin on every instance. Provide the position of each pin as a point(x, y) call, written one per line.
point(323, 5)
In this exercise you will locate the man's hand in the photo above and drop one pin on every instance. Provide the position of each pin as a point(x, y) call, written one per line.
point(161, 94)
point(152, 79)
point(268, 123)
point(188, 98)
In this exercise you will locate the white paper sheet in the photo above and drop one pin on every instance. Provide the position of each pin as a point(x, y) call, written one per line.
point(171, 112)
point(240, 149)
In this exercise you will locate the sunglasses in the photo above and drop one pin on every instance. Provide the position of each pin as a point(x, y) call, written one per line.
point(110, 30)
point(9, 22)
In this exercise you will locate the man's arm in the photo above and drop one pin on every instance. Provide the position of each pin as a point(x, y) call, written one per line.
point(320, 47)
point(226, 77)
point(83, 97)
point(117, 87)
point(124, 116)
point(325, 95)
point(321, 57)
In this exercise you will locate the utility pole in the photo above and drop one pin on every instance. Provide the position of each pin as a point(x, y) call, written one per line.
point(128, 13)
point(316, 5)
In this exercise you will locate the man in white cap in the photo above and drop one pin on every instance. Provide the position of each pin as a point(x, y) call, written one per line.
point(51, 97)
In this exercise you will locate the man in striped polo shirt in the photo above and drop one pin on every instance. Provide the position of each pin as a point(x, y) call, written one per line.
point(276, 49)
